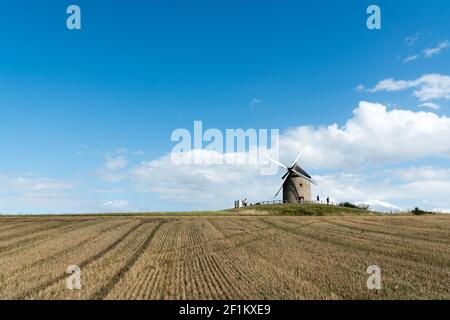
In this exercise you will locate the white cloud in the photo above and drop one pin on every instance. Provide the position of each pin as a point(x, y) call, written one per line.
point(208, 185)
point(116, 204)
point(378, 205)
point(116, 163)
point(347, 162)
point(372, 137)
point(411, 58)
point(255, 101)
point(433, 86)
point(360, 88)
point(32, 185)
point(428, 87)
point(421, 173)
point(113, 170)
point(424, 194)
point(392, 85)
point(121, 151)
point(429, 52)
point(430, 105)
point(111, 176)
point(212, 187)
point(384, 192)
point(34, 194)
point(409, 41)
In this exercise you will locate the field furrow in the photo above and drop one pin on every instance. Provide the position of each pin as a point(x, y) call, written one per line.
point(48, 275)
point(235, 257)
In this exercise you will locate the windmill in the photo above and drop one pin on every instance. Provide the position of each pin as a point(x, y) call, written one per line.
point(296, 183)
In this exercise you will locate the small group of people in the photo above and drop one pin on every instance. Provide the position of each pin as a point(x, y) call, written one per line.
point(328, 199)
point(241, 203)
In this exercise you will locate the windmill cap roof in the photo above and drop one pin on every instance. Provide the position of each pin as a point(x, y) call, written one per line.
point(299, 169)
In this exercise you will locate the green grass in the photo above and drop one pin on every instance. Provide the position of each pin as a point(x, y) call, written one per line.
point(304, 210)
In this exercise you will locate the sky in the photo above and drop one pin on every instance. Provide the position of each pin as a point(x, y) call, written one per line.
point(87, 115)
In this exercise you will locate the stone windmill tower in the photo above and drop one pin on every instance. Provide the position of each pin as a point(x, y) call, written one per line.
point(296, 183)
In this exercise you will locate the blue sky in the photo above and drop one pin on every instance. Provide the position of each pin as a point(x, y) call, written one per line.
point(74, 103)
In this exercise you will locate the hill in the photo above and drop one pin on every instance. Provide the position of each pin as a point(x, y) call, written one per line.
point(267, 209)
point(302, 210)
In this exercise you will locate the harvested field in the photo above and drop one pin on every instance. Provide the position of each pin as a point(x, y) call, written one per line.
point(225, 257)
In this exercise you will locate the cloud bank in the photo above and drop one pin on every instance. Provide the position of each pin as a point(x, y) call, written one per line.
point(372, 158)
point(354, 156)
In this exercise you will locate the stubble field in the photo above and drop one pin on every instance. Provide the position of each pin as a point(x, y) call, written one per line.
point(219, 257)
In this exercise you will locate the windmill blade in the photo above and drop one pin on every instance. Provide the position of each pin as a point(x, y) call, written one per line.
point(298, 156)
point(304, 177)
point(282, 184)
point(276, 162)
